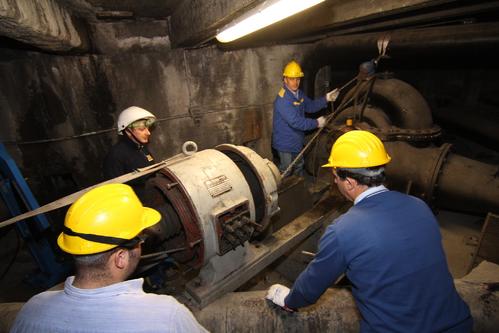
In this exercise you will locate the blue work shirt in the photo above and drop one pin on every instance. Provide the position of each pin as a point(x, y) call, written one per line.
point(389, 246)
point(289, 121)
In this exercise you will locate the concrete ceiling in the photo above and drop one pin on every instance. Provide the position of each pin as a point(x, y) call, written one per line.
point(158, 9)
point(54, 24)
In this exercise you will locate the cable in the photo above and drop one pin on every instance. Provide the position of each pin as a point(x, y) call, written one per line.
point(114, 129)
point(328, 119)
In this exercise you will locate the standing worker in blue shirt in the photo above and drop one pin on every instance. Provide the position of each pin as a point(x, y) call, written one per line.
point(389, 246)
point(289, 121)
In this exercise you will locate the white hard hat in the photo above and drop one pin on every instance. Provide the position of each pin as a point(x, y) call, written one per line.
point(130, 115)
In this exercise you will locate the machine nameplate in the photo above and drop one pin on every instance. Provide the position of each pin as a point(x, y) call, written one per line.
point(218, 185)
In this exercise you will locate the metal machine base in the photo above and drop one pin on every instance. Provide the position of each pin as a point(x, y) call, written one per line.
point(221, 276)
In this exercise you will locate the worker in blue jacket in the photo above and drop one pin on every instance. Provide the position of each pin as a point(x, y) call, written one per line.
point(388, 245)
point(289, 122)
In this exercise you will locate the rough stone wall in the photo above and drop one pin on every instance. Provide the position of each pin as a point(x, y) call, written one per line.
point(205, 95)
point(43, 23)
point(48, 98)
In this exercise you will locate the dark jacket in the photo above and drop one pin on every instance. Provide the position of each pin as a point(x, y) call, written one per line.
point(126, 156)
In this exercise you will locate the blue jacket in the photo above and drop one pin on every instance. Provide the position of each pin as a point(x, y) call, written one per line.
point(289, 121)
point(389, 246)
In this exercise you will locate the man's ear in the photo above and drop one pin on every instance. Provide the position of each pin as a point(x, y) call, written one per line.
point(121, 257)
point(351, 183)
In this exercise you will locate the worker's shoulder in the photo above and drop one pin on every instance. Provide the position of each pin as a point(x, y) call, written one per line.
point(340, 223)
point(120, 149)
point(163, 307)
point(400, 198)
point(281, 92)
point(46, 295)
point(350, 221)
point(42, 303)
point(164, 301)
point(283, 99)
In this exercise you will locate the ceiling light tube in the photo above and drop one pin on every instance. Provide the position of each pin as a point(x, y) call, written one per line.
point(262, 16)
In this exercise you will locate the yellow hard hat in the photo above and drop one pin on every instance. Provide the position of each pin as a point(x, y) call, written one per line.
point(357, 149)
point(103, 218)
point(292, 69)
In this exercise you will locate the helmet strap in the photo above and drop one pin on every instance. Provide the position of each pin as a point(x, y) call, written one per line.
point(121, 242)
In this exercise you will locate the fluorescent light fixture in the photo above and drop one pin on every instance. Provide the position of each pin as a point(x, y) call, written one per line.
point(264, 15)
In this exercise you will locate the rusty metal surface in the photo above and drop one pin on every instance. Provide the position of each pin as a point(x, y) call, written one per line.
point(335, 311)
point(420, 166)
point(394, 133)
point(488, 244)
point(8, 313)
point(250, 312)
point(444, 179)
point(468, 185)
point(181, 202)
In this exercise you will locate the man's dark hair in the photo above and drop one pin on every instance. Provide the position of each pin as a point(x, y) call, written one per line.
point(93, 261)
point(370, 177)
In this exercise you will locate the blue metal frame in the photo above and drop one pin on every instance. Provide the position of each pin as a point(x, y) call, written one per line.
point(19, 198)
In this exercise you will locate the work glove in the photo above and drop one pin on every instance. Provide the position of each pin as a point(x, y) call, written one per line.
point(332, 95)
point(277, 293)
point(321, 121)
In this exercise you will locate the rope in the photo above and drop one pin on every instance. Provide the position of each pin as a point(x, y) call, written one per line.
point(330, 117)
point(67, 200)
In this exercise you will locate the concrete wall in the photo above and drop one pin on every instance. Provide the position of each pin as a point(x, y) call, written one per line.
point(205, 95)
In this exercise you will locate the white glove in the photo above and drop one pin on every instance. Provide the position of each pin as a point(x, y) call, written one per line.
point(332, 95)
point(321, 121)
point(277, 293)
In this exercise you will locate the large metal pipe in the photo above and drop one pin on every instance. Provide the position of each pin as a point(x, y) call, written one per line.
point(440, 177)
point(437, 43)
point(404, 105)
point(443, 178)
point(469, 184)
point(436, 175)
point(334, 312)
point(401, 103)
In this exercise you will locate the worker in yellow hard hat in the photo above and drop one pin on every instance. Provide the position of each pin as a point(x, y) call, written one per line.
point(131, 152)
point(289, 121)
point(389, 246)
point(104, 230)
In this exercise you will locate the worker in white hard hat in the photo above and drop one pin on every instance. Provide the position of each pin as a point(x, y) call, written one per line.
point(130, 153)
point(289, 122)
